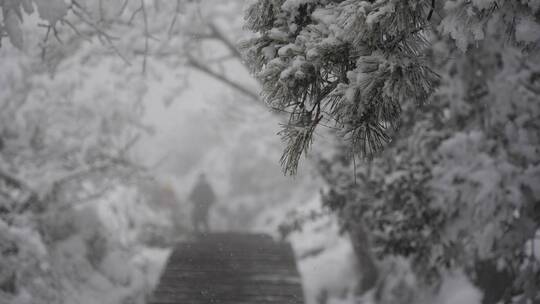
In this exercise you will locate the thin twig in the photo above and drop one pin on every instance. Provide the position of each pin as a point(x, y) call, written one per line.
point(221, 37)
point(102, 35)
point(192, 62)
point(173, 22)
point(431, 10)
point(55, 31)
point(129, 145)
point(139, 9)
point(77, 32)
point(44, 43)
point(122, 8)
point(146, 36)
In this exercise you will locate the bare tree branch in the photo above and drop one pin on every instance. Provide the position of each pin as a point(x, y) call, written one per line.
point(221, 37)
point(146, 36)
point(122, 8)
point(173, 22)
point(138, 10)
point(192, 62)
point(14, 182)
point(102, 35)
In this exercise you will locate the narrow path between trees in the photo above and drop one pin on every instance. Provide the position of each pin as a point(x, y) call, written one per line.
point(230, 268)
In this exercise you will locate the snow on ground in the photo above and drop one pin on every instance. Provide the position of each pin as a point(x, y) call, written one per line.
point(457, 288)
point(331, 274)
point(326, 261)
point(328, 266)
point(153, 260)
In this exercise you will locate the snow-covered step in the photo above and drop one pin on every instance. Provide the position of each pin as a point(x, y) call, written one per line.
point(230, 268)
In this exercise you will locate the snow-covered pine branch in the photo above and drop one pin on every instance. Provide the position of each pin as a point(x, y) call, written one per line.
point(356, 64)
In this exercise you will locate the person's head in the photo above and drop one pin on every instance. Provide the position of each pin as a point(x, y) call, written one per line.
point(202, 176)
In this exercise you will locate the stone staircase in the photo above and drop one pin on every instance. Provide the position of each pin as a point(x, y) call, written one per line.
point(230, 268)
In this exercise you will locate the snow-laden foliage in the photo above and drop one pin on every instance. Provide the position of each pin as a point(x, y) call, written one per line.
point(349, 63)
point(64, 144)
point(355, 64)
point(455, 184)
point(457, 187)
point(78, 256)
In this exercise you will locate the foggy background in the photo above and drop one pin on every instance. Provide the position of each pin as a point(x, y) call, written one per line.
point(111, 110)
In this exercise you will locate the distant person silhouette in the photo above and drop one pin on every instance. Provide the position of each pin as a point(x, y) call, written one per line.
point(202, 196)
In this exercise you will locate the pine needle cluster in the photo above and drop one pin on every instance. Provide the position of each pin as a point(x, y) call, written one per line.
point(350, 64)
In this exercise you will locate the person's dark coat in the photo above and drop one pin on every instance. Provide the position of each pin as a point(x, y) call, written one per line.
point(202, 197)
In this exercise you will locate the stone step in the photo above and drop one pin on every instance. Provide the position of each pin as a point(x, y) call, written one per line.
point(225, 268)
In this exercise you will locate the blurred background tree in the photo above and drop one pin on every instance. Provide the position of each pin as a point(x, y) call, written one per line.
point(91, 92)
